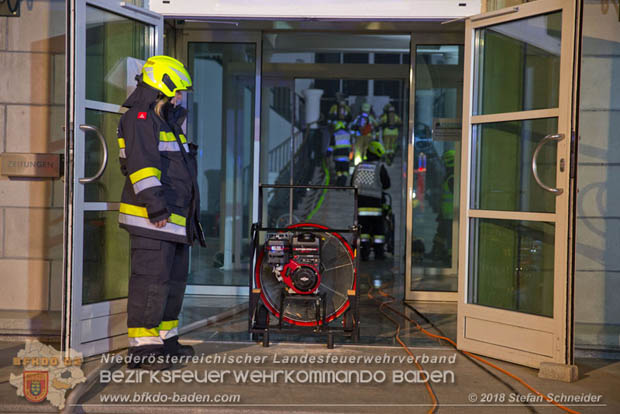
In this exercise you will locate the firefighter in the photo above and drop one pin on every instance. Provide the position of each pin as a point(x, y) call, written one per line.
point(371, 178)
point(442, 242)
point(339, 118)
point(390, 124)
point(159, 208)
point(363, 126)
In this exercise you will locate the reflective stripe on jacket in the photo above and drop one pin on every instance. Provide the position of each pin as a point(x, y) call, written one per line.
point(447, 198)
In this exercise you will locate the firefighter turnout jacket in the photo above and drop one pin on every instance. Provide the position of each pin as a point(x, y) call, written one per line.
point(161, 172)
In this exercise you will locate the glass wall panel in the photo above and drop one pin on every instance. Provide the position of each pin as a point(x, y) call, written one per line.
point(512, 265)
point(436, 172)
point(221, 122)
point(305, 77)
point(597, 262)
point(116, 48)
point(502, 159)
point(106, 258)
point(110, 185)
point(522, 60)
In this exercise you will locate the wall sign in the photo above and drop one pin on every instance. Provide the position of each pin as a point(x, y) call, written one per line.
point(447, 129)
point(15, 164)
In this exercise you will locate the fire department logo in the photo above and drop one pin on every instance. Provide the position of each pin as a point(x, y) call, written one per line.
point(35, 385)
point(47, 374)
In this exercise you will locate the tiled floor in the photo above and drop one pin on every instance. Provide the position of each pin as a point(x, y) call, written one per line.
point(376, 329)
point(198, 307)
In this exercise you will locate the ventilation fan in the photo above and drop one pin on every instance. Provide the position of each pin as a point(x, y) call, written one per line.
point(306, 259)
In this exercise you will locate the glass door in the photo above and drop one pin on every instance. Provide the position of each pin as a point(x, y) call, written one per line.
point(434, 168)
point(513, 278)
point(223, 116)
point(112, 41)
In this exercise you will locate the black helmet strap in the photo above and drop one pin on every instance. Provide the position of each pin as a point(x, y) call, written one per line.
point(168, 82)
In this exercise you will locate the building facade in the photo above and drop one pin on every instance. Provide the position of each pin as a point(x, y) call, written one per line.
point(64, 262)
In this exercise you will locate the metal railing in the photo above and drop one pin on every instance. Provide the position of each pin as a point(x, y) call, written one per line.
point(299, 159)
point(307, 169)
point(280, 156)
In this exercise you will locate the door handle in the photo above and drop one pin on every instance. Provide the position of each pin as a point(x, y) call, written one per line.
point(104, 146)
point(548, 138)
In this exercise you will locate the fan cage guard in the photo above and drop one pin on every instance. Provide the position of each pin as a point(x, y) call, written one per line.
point(260, 307)
point(343, 308)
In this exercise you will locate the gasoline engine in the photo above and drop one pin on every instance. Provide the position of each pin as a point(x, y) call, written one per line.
point(295, 260)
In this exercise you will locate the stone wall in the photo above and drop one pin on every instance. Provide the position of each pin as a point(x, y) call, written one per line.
point(32, 81)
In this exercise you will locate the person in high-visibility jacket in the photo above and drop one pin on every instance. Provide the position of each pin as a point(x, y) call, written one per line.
point(371, 178)
point(339, 118)
point(159, 208)
point(390, 124)
point(442, 242)
point(364, 129)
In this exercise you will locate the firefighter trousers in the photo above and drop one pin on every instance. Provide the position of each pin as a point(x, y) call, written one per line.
point(361, 147)
point(373, 233)
point(156, 288)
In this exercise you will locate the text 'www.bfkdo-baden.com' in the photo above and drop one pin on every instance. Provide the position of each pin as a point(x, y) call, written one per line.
point(170, 398)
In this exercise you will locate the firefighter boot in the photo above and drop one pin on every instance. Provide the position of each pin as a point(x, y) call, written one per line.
point(379, 249)
point(365, 246)
point(174, 348)
point(365, 251)
point(149, 357)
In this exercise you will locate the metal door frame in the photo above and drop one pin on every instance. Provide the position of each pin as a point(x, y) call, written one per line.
point(225, 36)
point(425, 38)
point(418, 39)
point(559, 325)
point(104, 316)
